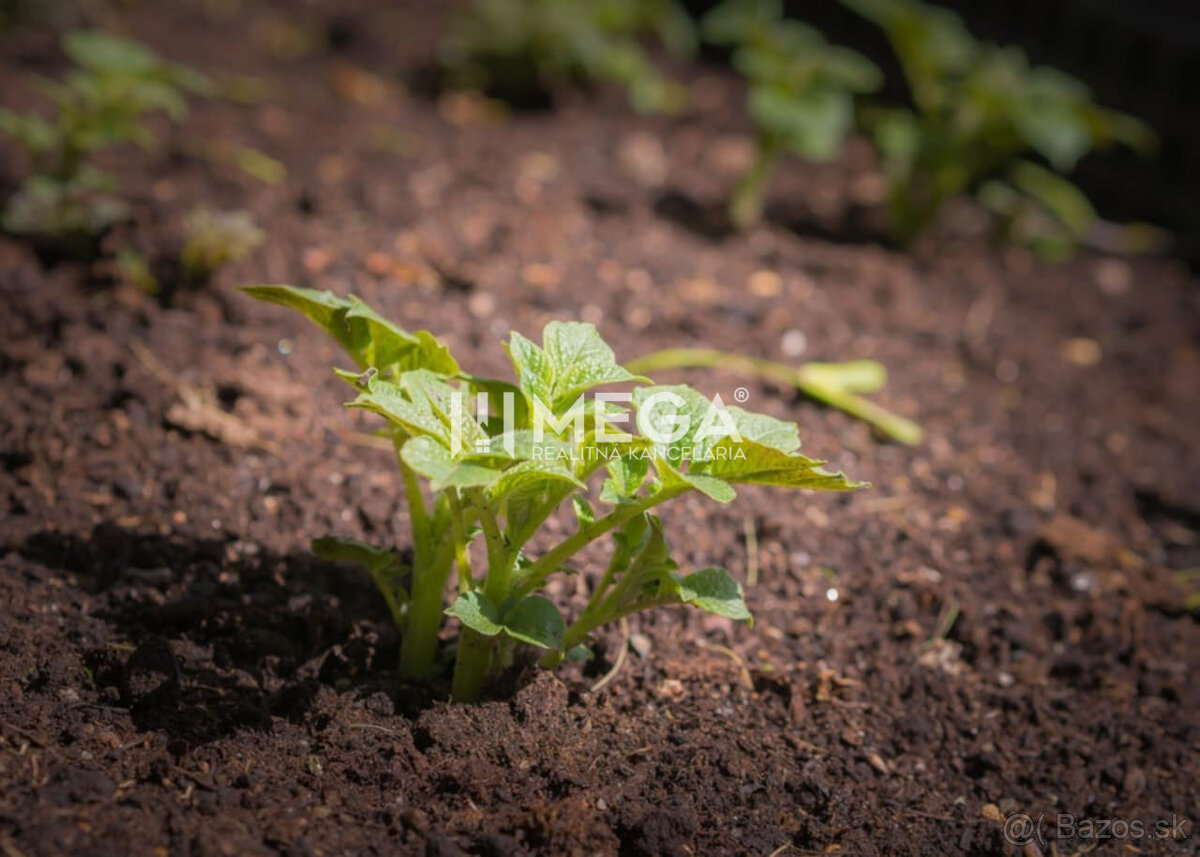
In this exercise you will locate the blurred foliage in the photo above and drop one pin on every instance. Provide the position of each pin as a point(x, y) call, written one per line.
point(800, 90)
point(520, 50)
point(214, 239)
point(977, 110)
point(100, 103)
point(211, 239)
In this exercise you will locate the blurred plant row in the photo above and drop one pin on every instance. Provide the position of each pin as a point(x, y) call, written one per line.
point(111, 96)
point(979, 118)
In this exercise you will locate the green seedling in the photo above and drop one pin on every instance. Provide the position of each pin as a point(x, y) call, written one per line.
point(214, 239)
point(211, 240)
point(101, 103)
point(800, 91)
point(838, 385)
point(978, 112)
point(534, 447)
point(518, 50)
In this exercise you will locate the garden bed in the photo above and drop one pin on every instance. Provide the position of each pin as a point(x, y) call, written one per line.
point(994, 627)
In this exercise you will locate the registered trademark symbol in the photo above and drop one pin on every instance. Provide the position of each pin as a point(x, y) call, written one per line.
point(741, 394)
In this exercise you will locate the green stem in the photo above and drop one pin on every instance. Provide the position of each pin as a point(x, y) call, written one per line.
point(471, 665)
point(746, 207)
point(495, 588)
point(462, 553)
point(532, 578)
point(581, 628)
point(418, 649)
point(418, 515)
point(477, 654)
point(802, 378)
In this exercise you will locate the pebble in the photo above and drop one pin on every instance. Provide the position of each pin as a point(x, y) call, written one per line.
point(793, 343)
point(1113, 276)
point(641, 644)
point(991, 812)
point(1082, 352)
point(644, 158)
point(765, 284)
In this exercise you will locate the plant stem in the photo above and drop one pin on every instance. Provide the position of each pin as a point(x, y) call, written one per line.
point(471, 665)
point(535, 575)
point(418, 649)
point(462, 552)
point(495, 588)
point(807, 382)
point(746, 207)
point(581, 628)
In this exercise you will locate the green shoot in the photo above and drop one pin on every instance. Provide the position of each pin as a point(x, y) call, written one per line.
point(978, 110)
point(99, 104)
point(518, 50)
point(800, 91)
point(488, 484)
point(214, 239)
point(838, 385)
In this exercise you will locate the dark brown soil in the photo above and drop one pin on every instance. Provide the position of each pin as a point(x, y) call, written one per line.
point(995, 627)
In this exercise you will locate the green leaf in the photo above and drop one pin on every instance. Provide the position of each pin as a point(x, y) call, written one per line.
point(765, 429)
point(337, 549)
point(416, 414)
point(578, 653)
point(572, 360)
point(625, 477)
point(813, 124)
point(526, 475)
point(532, 619)
point(535, 376)
point(30, 130)
point(641, 564)
point(584, 513)
point(749, 461)
point(496, 390)
point(98, 51)
point(477, 613)
point(736, 21)
point(432, 460)
point(1059, 196)
point(367, 337)
point(714, 591)
point(535, 620)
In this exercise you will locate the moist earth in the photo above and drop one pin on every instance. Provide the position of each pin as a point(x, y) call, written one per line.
point(997, 626)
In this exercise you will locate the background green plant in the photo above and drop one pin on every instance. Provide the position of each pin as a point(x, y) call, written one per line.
point(100, 103)
point(213, 239)
point(978, 111)
point(519, 49)
point(800, 90)
point(503, 485)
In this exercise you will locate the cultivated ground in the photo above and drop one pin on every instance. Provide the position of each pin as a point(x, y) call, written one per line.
point(995, 627)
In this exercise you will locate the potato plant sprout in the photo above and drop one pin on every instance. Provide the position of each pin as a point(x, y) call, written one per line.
point(800, 91)
point(549, 439)
point(979, 112)
point(101, 103)
point(519, 50)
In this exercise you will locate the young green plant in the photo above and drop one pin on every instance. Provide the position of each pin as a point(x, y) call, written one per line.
point(800, 91)
point(978, 111)
point(101, 103)
point(520, 50)
point(211, 239)
point(539, 444)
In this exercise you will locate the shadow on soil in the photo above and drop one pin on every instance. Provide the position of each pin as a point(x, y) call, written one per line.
point(710, 221)
point(212, 636)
